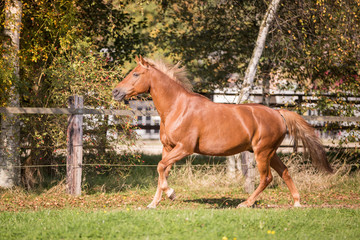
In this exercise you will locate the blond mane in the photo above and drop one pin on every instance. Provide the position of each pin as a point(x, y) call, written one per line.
point(173, 71)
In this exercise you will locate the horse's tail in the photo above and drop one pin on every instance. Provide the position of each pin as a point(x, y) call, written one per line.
point(299, 129)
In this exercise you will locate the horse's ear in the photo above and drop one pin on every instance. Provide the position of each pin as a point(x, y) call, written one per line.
point(143, 62)
point(137, 59)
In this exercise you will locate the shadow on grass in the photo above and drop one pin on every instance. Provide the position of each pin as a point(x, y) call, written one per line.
point(221, 203)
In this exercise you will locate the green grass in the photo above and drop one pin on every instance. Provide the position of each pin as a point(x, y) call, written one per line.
point(183, 224)
point(112, 207)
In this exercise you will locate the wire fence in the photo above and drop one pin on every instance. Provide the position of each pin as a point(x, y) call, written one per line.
point(76, 165)
point(129, 165)
point(109, 165)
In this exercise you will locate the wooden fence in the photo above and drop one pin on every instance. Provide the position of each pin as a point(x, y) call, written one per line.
point(76, 112)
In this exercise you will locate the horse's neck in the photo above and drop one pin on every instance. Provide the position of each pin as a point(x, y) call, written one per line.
point(165, 94)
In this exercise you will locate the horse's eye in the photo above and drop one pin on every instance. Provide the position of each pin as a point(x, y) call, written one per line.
point(135, 74)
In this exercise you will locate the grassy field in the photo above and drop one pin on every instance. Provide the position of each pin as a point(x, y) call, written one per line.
point(183, 224)
point(114, 208)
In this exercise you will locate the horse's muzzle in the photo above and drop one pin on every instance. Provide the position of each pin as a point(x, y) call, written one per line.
point(118, 95)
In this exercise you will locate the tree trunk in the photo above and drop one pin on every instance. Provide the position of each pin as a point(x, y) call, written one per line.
point(247, 158)
point(259, 46)
point(10, 128)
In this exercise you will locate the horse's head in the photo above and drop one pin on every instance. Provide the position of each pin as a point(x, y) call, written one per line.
point(134, 83)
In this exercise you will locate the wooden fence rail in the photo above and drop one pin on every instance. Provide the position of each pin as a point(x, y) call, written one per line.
point(69, 111)
point(133, 113)
point(76, 111)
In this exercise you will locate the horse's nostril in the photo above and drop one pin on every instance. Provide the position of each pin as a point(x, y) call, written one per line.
point(115, 92)
point(118, 94)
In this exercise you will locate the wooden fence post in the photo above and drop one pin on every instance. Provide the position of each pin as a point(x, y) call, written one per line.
point(74, 147)
point(244, 162)
point(248, 170)
point(231, 166)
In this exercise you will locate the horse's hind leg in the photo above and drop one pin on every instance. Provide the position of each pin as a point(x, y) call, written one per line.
point(282, 170)
point(263, 164)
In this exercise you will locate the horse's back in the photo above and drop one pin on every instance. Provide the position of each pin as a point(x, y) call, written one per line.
point(226, 129)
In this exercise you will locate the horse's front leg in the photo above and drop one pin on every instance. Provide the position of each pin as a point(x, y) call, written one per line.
point(177, 153)
point(170, 193)
point(158, 192)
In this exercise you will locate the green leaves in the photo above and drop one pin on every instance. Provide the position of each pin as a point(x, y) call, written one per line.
point(60, 56)
point(213, 39)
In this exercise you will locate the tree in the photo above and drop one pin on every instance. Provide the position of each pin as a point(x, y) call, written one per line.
point(259, 46)
point(246, 160)
point(314, 46)
point(65, 37)
point(10, 129)
point(212, 38)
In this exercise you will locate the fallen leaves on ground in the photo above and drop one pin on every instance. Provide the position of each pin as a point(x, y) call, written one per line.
point(20, 200)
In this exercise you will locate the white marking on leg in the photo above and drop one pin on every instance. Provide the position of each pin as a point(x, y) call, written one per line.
point(151, 205)
point(171, 194)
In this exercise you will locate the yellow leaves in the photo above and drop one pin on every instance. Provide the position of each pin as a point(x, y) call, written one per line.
point(154, 33)
point(34, 58)
point(320, 2)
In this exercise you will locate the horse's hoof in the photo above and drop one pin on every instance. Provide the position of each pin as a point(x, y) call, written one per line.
point(171, 194)
point(242, 205)
point(151, 206)
point(297, 204)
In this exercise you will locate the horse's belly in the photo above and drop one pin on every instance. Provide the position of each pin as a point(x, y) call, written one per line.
point(223, 151)
point(228, 142)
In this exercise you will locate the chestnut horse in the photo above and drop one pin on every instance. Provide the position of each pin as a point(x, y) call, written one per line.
point(191, 123)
